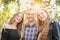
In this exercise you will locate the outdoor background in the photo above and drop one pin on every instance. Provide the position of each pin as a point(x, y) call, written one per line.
point(9, 7)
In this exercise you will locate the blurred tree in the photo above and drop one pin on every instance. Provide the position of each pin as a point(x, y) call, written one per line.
point(18, 3)
point(58, 2)
point(7, 1)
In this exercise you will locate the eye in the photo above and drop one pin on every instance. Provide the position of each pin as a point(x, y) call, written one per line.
point(32, 14)
point(41, 13)
point(28, 13)
point(22, 17)
point(18, 15)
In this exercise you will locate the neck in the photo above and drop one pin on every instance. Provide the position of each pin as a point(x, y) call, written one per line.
point(31, 23)
point(14, 24)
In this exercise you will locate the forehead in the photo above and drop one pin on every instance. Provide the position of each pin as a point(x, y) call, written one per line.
point(41, 11)
point(20, 15)
point(31, 12)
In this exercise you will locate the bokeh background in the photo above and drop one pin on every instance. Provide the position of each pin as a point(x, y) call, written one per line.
point(10, 7)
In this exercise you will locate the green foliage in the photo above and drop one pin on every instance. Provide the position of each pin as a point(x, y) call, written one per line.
point(7, 13)
point(58, 2)
point(8, 1)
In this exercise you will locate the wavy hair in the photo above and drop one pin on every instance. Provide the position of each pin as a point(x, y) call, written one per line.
point(19, 25)
point(44, 24)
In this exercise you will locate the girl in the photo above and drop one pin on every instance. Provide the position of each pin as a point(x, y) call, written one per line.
point(11, 31)
point(47, 29)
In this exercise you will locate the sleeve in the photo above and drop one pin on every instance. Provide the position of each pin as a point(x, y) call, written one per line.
point(50, 33)
point(57, 25)
point(54, 34)
point(4, 34)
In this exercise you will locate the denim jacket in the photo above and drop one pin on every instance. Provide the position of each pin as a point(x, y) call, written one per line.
point(54, 31)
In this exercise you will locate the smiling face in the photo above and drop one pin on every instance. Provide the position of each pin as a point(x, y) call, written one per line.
point(42, 15)
point(18, 18)
point(31, 15)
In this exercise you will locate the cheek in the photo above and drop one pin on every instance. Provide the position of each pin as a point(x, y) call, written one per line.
point(28, 16)
point(39, 17)
point(21, 19)
point(18, 19)
point(15, 19)
point(45, 16)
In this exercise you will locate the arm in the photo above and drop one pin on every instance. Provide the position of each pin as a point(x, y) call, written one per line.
point(57, 26)
point(53, 32)
point(50, 33)
point(39, 36)
point(4, 34)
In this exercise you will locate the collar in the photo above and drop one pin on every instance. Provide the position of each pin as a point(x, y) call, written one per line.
point(52, 21)
point(34, 23)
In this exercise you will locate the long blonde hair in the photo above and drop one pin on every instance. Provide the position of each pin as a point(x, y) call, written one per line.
point(19, 25)
point(43, 27)
point(42, 24)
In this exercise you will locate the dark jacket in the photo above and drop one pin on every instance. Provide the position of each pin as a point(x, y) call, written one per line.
point(54, 31)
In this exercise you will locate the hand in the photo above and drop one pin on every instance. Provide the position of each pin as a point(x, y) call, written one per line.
point(39, 36)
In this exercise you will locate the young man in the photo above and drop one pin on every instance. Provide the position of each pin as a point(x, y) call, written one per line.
point(30, 31)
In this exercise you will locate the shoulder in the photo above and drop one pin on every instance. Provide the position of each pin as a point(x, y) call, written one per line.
point(6, 26)
point(52, 20)
point(54, 23)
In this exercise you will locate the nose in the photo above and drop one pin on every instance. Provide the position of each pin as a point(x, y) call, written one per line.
point(40, 14)
point(30, 15)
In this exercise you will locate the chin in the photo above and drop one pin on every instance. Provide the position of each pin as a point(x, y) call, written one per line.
point(43, 20)
point(30, 20)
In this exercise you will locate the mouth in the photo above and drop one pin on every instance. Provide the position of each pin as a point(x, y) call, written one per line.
point(18, 19)
point(30, 18)
point(41, 17)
